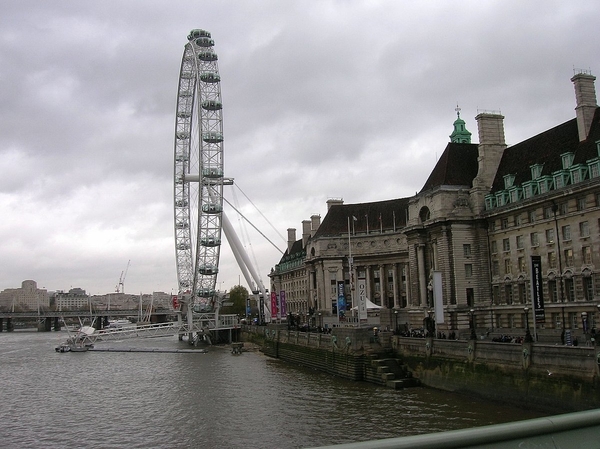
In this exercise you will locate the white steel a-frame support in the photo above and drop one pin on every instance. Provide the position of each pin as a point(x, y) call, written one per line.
point(243, 261)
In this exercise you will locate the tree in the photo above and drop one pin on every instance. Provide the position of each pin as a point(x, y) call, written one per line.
point(237, 296)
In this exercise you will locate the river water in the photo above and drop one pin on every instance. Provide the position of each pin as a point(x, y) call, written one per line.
point(211, 400)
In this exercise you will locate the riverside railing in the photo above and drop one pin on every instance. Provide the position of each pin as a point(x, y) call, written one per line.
point(572, 430)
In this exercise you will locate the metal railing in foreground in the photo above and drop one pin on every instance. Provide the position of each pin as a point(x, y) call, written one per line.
point(568, 431)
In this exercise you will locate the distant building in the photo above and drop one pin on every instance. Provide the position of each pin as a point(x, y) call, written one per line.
point(482, 214)
point(74, 299)
point(28, 297)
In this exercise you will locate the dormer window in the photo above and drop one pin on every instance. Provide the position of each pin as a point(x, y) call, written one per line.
point(544, 184)
point(594, 167)
point(509, 180)
point(515, 194)
point(567, 160)
point(490, 202)
point(502, 198)
point(529, 189)
point(536, 171)
point(578, 173)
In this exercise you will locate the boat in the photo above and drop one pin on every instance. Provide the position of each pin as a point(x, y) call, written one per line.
point(80, 342)
point(74, 346)
point(120, 324)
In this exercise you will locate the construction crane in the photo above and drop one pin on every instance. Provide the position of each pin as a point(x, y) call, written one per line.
point(121, 285)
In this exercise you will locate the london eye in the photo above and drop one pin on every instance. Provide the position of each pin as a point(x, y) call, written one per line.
point(198, 173)
point(199, 218)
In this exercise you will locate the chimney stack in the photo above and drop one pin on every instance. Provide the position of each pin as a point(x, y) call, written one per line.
point(490, 126)
point(334, 202)
point(305, 232)
point(291, 239)
point(585, 95)
point(315, 222)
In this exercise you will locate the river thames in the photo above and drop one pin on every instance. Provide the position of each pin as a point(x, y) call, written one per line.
point(205, 400)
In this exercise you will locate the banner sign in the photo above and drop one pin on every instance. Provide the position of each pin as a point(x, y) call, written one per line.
point(341, 303)
point(362, 299)
point(175, 302)
point(261, 309)
point(537, 290)
point(274, 311)
point(282, 304)
point(248, 308)
point(438, 299)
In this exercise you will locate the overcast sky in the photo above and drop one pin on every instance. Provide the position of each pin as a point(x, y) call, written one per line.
point(322, 99)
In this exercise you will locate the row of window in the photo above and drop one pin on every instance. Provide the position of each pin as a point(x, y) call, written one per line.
point(568, 260)
point(511, 320)
point(505, 295)
point(520, 219)
point(540, 184)
point(566, 235)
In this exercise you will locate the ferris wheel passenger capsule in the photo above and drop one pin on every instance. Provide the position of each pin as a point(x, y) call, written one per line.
point(210, 77)
point(212, 137)
point(207, 56)
point(196, 33)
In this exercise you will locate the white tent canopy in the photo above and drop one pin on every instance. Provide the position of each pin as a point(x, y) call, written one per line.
point(370, 305)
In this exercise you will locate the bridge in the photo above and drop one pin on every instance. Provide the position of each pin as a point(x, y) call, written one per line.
point(41, 314)
point(51, 319)
point(212, 327)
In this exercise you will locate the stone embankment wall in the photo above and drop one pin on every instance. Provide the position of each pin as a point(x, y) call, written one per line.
point(349, 353)
point(544, 377)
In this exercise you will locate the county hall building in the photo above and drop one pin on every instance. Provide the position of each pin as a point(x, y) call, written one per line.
point(462, 248)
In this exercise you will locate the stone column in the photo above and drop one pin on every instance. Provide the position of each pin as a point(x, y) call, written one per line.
point(405, 270)
point(422, 275)
point(368, 282)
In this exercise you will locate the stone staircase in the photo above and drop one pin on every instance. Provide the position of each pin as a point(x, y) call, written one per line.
point(392, 373)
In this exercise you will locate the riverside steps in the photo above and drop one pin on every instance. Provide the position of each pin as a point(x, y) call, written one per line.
point(552, 378)
point(350, 353)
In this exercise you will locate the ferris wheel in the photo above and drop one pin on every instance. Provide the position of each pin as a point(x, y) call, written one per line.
point(198, 174)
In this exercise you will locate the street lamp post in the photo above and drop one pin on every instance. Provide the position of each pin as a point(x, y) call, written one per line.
point(472, 324)
point(584, 322)
point(395, 322)
point(320, 323)
point(528, 337)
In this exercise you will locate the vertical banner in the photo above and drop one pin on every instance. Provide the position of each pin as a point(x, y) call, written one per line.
point(537, 290)
point(362, 299)
point(248, 309)
point(274, 312)
point(175, 300)
point(282, 304)
point(438, 299)
point(341, 306)
point(261, 309)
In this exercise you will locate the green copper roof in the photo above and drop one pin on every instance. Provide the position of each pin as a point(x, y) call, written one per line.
point(460, 133)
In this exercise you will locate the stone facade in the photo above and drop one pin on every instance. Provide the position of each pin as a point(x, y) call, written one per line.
point(484, 211)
